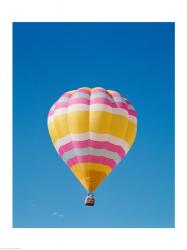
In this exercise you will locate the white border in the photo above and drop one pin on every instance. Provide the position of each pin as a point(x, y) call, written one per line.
point(53, 11)
point(5, 125)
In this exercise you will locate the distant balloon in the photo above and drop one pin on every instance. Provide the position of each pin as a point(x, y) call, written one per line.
point(92, 131)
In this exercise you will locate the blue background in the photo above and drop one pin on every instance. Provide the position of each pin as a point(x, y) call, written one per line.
point(136, 59)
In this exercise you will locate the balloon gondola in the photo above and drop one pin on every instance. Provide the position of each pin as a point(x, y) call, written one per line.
point(92, 130)
point(90, 200)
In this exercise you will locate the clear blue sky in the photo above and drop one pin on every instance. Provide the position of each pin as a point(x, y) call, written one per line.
point(136, 59)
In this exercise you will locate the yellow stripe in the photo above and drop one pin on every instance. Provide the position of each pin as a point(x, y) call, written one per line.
point(91, 166)
point(130, 133)
point(90, 175)
point(92, 121)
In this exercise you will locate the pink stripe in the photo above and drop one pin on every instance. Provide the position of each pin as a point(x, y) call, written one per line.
point(82, 90)
point(90, 102)
point(66, 94)
point(129, 103)
point(61, 105)
point(109, 103)
point(96, 90)
point(90, 158)
point(116, 94)
point(79, 101)
point(93, 101)
point(71, 102)
point(132, 112)
point(51, 112)
point(94, 144)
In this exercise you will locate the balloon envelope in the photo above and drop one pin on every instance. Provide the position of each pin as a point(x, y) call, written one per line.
point(92, 130)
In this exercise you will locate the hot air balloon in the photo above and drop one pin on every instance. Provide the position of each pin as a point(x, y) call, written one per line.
point(92, 130)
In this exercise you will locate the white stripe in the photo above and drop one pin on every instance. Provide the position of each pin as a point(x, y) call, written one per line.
point(92, 107)
point(53, 107)
point(78, 107)
point(80, 95)
point(102, 95)
point(50, 119)
point(130, 107)
point(92, 136)
point(90, 97)
point(60, 111)
point(92, 152)
point(64, 99)
point(101, 107)
point(133, 119)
